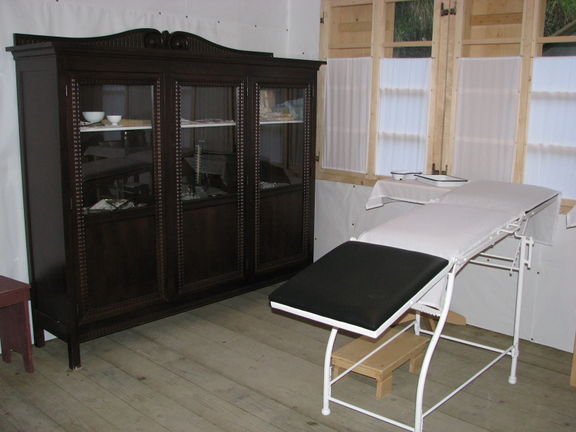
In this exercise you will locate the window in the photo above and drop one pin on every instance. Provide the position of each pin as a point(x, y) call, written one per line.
point(487, 102)
point(348, 84)
point(551, 146)
point(431, 109)
point(403, 102)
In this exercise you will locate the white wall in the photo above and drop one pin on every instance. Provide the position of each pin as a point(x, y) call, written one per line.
point(484, 296)
point(287, 28)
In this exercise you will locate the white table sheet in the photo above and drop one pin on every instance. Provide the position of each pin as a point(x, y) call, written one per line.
point(517, 199)
point(461, 220)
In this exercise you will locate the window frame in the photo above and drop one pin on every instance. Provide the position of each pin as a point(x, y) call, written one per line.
point(454, 36)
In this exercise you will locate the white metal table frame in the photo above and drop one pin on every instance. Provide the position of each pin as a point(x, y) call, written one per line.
point(519, 263)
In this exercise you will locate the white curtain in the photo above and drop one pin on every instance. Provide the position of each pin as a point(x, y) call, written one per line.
point(486, 118)
point(348, 88)
point(551, 150)
point(403, 114)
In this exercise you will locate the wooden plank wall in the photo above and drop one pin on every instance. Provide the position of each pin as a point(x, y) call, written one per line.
point(493, 28)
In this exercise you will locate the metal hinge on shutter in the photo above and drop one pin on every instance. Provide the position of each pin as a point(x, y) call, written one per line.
point(447, 11)
point(437, 171)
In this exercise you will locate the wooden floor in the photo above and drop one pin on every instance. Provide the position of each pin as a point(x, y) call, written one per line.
point(236, 366)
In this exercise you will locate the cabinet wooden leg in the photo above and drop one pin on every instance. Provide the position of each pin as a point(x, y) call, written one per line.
point(25, 341)
point(74, 354)
point(39, 339)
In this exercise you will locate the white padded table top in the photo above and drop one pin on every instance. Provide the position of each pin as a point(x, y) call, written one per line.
point(509, 197)
point(518, 199)
point(466, 220)
point(444, 230)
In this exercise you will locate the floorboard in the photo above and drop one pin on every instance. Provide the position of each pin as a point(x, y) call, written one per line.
point(236, 366)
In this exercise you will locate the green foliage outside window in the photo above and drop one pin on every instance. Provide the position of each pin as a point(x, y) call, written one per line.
point(413, 22)
point(560, 18)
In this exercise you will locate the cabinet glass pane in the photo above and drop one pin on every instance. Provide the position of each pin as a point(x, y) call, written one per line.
point(208, 142)
point(281, 137)
point(116, 139)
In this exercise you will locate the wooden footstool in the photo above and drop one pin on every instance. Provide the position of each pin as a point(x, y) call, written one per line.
point(380, 366)
point(14, 321)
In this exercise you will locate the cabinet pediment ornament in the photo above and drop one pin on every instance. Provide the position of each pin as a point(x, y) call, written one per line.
point(146, 39)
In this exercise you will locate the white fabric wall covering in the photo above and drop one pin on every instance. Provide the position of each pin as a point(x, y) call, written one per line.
point(250, 24)
point(484, 296)
point(551, 150)
point(553, 321)
point(486, 118)
point(303, 28)
point(348, 89)
point(403, 114)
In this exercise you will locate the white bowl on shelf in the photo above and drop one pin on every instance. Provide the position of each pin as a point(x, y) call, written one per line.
point(114, 119)
point(93, 116)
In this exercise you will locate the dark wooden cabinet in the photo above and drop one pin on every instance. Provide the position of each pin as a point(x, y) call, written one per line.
point(201, 190)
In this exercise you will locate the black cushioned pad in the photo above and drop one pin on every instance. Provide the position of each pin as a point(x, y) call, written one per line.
point(358, 283)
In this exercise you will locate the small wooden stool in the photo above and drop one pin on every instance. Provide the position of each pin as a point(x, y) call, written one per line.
point(380, 366)
point(14, 321)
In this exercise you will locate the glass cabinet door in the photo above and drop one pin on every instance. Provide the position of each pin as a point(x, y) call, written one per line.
point(211, 203)
point(115, 143)
point(282, 155)
point(116, 139)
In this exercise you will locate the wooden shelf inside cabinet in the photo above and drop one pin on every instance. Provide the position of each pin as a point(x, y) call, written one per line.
point(188, 124)
point(274, 122)
point(124, 125)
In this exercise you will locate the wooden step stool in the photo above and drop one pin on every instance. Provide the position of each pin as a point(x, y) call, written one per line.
point(380, 366)
point(14, 321)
